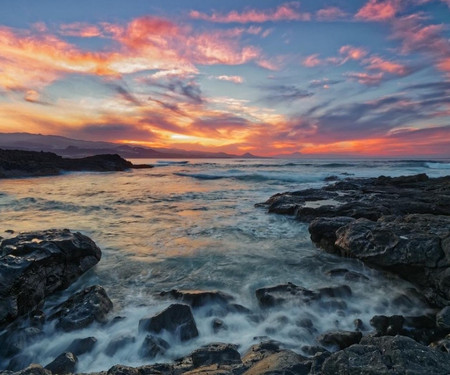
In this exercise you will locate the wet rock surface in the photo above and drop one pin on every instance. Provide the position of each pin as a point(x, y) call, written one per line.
point(16, 163)
point(63, 364)
point(36, 264)
point(82, 309)
point(399, 224)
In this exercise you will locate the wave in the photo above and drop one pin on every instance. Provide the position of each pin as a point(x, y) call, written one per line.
point(165, 163)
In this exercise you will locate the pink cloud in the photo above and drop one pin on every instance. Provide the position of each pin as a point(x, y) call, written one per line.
point(234, 79)
point(284, 12)
point(311, 61)
point(80, 29)
point(379, 10)
point(330, 14)
point(352, 53)
point(377, 63)
point(366, 78)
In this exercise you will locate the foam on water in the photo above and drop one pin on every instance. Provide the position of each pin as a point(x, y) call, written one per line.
point(170, 227)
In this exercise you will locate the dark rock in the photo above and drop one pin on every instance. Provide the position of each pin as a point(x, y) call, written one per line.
point(323, 231)
point(82, 309)
point(217, 353)
point(176, 319)
point(15, 163)
point(284, 362)
point(34, 265)
point(82, 346)
point(443, 318)
point(312, 350)
point(198, 298)
point(65, 363)
point(19, 362)
point(387, 325)
point(359, 325)
point(442, 345)
point(13, 341)
point(276, 295)
point(159, 369)
point(218, 325)
point(33, 369)
point(153, 346)
point(339, 339)
point(387, 355)
point(118, 343)
point(348, 275)
point(341, 291)
point(122, 370)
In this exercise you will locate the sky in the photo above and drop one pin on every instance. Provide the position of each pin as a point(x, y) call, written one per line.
point(314, 77)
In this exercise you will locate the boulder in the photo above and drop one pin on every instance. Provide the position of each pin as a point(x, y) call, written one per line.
point(65, 363)
point(118, 343)
point(82, 309)
point(36, 264)
point(339, 339)
point(284, 362)
point(198, 298)
point(176, 319)
point(260, 351)
point(82, 346)
point(153, 346)
point(216, 354)
point(388, 355)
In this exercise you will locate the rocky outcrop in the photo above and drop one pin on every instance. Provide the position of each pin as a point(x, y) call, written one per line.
point(65, 363)
point(16, 163)
point(399, 224)
point(35, 265)
point(387, 356)
point(176, 319)
point(82, 309)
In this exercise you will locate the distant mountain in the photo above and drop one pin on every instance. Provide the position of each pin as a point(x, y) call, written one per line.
point(79, 148)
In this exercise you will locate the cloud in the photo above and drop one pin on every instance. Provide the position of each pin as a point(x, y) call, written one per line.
point(284, 12)
point(323, 83)
point(284, 94)
point(113, 132)
point(312, 61)
point(80, 29)
point(352, 53)
point(379, 10)
point(234, 79)
point(330, 14)
point(377, 63)
point(368, 79)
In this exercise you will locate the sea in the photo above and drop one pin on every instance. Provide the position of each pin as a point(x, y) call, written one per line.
point(193, 225)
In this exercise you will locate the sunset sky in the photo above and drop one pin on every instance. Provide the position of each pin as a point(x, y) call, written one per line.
point(367, 77)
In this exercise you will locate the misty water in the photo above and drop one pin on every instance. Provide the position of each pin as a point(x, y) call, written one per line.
point(194, 225)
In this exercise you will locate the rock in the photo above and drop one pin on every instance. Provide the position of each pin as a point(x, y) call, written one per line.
point(339, 339)
point(276, 295)
point(82, 309)
point(218, 325)
point(19, 362)
point(13, 341)
point(284, 362)
point(387, 325)
point(212, 370)
point(118, 343)
point(348, 275)
point(15, 163)
point(122, 370)
point(176, 319)
point(33, 369)
point(388, 355)
point(216, 354)
point(153, 346)
point(258, 352)
point(82, 346)
point(443, 318)
point(323, 231)
point(198, 298)
point(442, 345)
point(36, 264)
point(65, 363)
point(313, 350)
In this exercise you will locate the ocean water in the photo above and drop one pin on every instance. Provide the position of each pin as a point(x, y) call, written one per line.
point(193, 224)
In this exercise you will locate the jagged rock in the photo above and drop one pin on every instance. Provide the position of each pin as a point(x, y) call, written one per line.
point(260, 351)
point(33, 369)
point(118, 343)
point(177, 318)
point(122, 370)
point(198, 298)
point(339, 339)
point(216, 354)
point(83, 308)
point(388, 355)
point(443, 318)
point(82, 346)
point(387, 325)
point(153, 346)
point(283, 362)
point(65, 363)
point(36, 264)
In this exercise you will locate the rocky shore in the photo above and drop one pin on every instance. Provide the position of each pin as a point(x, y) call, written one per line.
point(400, 225)
point(16, 163)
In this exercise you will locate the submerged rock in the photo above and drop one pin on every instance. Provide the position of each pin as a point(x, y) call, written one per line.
point(176, 319)
point(118, 343)
point(198, 298)
point(153, 346)
point(82, 309)
point(82, 346)
point(36, 264)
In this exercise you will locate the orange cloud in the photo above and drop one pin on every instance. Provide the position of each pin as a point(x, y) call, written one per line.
point(379, 10)
point(80, 29)
point(284, 12)
point(311, 61)
point(353, 53)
